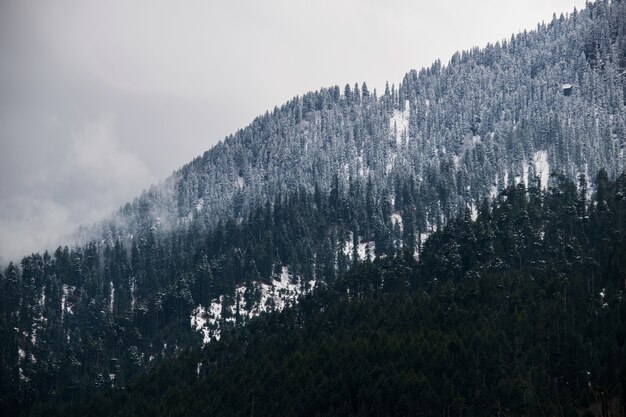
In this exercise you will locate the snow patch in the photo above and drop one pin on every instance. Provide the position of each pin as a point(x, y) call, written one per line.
point(42, 297)
point(493, 193)
point(473, 211)
point(283, 292)
point(457, 161)
point(602, 297)
point(396, 218)
point(363, 170)
point(65, 306)
point(424, 236)
point(390, 163)
point(346, 171)
point(111, 296)
point(133, 296)
point(22, 376)
point(399, 123)
point(362, 249)
point(542, 168)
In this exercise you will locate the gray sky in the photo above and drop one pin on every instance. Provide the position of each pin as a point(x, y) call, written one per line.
point(99, 99)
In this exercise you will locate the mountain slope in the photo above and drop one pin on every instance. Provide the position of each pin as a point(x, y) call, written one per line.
point(550, 99)
point(502, 315)
point(304, 193)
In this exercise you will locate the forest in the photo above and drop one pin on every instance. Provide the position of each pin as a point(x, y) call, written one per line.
point(450, 245)
point(519, 312)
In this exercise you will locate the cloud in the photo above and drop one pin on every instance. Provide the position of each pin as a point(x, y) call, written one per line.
point(90, 177)
point(97, 156)
point(29, 224)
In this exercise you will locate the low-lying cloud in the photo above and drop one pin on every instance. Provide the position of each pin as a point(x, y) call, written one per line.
point(82, 184)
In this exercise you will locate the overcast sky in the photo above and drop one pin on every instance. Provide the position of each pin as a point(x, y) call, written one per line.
point(99, 99)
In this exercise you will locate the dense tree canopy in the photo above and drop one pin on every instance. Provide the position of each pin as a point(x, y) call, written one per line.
point(347, 176)
point(519, 313)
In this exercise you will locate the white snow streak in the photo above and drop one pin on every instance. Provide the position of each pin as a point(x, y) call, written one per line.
point(542, 168)
point(399, 123)
point(473, 211)
point(65, 306)
point(283, 292)
point(396, 218)
point(111, 296)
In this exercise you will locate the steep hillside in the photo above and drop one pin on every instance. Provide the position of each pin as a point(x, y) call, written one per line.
point(518, 313)
point(550, 99)
point(305, 193)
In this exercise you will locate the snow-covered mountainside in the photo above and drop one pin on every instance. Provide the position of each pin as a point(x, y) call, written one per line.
point(547, 100)
point(305, 192)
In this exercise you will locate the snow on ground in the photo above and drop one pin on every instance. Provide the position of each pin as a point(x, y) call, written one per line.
point(361, 250)
point(346, 171)
point(473, 211)
point(542, 167)
point(391, 162)
point(396, 218)
point(200, 204)
point(42, 297)
point(111, 296)
point(590, 188)
point(493, 193)
point(241, 182)
point(133, 296)
point(283, 292)
point(65, 306)
point(399, 123)
point(363, 169)
point(602, 297)
point(525, 173)
point(457, 161)
point(199, 319)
